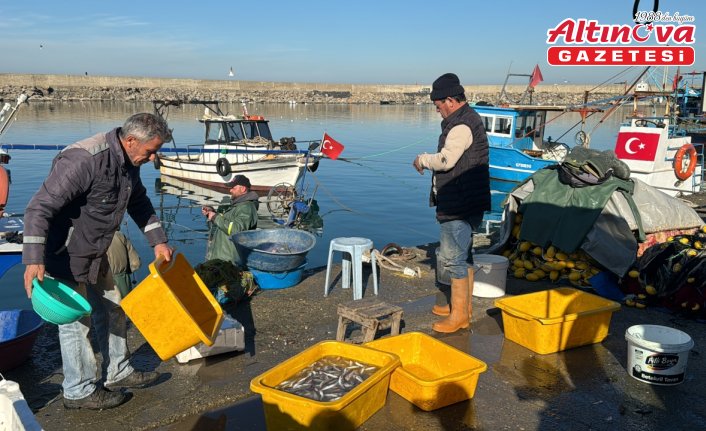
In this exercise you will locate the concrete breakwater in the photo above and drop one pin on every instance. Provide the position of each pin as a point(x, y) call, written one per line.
point(109, 88)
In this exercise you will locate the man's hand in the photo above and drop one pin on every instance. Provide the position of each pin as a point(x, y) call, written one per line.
point(162, 249)
point(417, 166)
point(209, 212)
point(32, 271)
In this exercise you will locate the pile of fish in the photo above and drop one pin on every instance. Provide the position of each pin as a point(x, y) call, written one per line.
point(275, 247)
point(327, 379)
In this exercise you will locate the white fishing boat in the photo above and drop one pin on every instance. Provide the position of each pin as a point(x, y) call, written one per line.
point(274, 210)
point(658, 151)
point(235, 145)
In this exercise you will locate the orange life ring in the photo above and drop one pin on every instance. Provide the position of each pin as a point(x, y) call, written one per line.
point(255, 117)
point(679, 171)
point(4, 189)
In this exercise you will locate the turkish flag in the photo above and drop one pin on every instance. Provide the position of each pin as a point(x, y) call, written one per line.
point(675, 83)
point(536, 77)
point(637, 146)
point(331, 147)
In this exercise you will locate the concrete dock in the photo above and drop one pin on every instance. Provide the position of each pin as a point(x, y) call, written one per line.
point(586, 388)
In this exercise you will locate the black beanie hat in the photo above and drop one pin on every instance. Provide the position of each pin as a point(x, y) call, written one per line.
point(447, 85)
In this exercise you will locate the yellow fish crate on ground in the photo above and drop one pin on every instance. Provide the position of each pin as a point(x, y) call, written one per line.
point(286, 411)
point(557, 319)
point(433, 374)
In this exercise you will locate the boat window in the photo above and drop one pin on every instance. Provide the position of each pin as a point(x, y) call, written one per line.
point(250, 129)
point(264, 128)
point(502, 125)
point(214, 133)
point(487, 122)
point(526, 124)
point(235, 132)
point(254, 129)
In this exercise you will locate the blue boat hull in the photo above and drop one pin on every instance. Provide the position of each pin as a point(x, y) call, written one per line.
point(510, 164)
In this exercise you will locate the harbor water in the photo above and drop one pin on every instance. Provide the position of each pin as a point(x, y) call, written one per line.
point(372, 191)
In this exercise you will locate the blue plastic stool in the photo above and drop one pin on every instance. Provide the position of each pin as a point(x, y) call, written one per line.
point(355, 247)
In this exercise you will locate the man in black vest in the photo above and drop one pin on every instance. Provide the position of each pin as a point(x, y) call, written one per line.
point(460, 191)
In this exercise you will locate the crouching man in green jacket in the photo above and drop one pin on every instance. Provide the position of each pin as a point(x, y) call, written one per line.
point(241, 216)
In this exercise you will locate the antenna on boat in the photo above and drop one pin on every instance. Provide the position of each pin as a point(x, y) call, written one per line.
point(245, 108)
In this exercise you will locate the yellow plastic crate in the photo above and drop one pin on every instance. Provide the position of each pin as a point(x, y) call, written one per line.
point(172, 308)
point(285, 411)
point(433, 374)
point(558, 319)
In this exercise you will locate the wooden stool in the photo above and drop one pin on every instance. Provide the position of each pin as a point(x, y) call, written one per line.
point(372, 314)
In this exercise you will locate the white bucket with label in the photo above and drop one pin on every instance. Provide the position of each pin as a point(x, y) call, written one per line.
point(657, 354)
point(490, 275)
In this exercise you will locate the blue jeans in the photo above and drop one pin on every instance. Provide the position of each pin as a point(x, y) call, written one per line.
point(110, 325)
point(456, 243)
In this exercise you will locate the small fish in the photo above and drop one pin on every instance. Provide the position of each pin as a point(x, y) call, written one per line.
point(327, 379)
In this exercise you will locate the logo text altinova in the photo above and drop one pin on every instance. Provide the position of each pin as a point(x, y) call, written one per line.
point(588, 43)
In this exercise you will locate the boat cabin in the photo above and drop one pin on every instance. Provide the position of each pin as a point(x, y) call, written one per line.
point(514, 127)
point(229, 129)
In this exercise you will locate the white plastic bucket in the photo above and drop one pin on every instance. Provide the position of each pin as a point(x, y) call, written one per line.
point(657, 354)
point(490, 275)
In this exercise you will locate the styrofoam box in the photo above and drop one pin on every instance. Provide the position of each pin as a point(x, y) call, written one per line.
point(230, 337)
point(15, 414)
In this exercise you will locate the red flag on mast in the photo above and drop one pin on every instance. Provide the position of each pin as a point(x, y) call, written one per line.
point(331, 147)
point(677, 78)
point(536, 77)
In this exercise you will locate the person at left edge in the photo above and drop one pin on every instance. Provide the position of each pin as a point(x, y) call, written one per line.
point(69, 225)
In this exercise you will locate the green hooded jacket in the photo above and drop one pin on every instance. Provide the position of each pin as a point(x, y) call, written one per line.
point(238, 217)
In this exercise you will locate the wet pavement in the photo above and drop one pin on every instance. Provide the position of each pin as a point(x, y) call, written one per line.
point(586, 388)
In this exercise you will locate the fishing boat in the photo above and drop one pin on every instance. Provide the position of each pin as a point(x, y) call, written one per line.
point(517, 147)
point(18, 331)
point(658, 150)
point(11, 227)
point(236, 144)
point(274, 209)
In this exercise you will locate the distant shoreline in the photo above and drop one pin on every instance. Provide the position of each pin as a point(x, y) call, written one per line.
point(108, 88)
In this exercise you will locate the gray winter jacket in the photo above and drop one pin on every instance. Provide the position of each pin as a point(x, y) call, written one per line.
point(71, 220)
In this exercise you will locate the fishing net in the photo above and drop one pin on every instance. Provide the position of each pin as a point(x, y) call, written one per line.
point(225, 281)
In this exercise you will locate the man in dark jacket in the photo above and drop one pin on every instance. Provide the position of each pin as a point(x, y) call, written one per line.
point(460, 192)
point(240, 216)
point(69, 225)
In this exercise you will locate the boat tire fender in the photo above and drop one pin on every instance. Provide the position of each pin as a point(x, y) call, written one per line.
point(223, 167)
point(313, 167)
point(157, 163)
point(687, 150)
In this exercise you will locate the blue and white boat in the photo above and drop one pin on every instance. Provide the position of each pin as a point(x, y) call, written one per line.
point(516, 140)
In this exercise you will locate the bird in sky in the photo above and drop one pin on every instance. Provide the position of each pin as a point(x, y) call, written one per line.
point(230, 73)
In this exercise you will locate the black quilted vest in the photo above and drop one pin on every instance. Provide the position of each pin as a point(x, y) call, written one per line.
point(464, 190)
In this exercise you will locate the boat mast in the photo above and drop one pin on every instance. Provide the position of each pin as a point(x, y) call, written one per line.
point(5, 123)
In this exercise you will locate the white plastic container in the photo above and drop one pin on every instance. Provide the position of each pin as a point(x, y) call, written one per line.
point(490, 275)
point(230, 337)
point(657, 354)
point(15, 414)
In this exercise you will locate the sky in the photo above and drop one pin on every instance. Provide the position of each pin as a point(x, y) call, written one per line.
point(359, 42)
